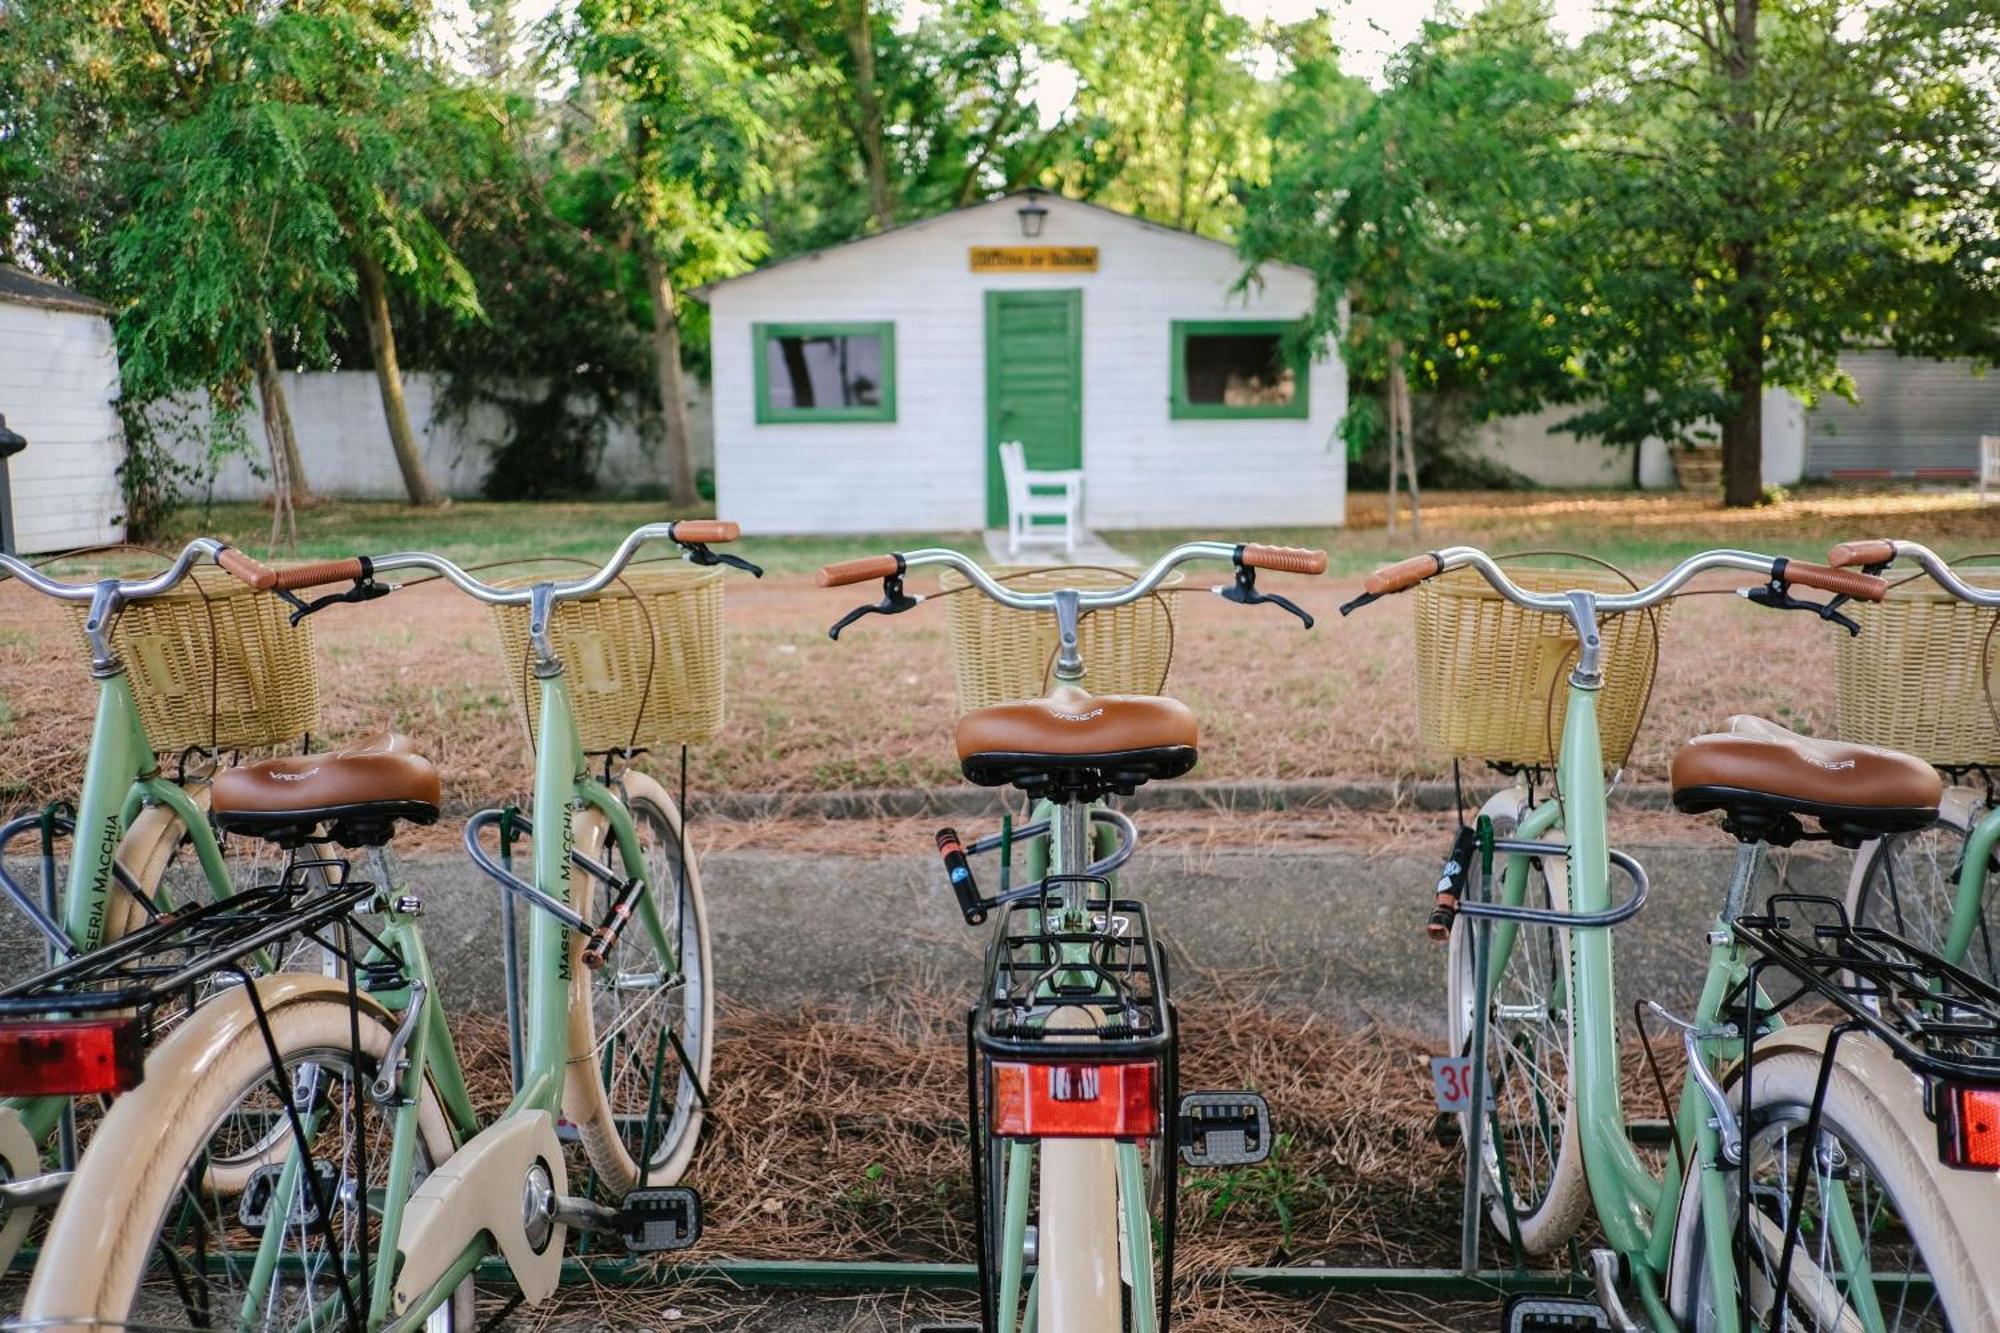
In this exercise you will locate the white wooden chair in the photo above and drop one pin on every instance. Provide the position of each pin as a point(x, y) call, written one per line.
point(1039, 495)
point(1989, 463)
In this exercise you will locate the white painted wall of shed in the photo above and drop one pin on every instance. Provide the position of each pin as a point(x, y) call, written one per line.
point(927, 469)
point(1532, 444)
point(58, 381)
point(344, 442)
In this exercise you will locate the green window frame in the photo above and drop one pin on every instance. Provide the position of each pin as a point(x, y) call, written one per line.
point(1185, 410)
point(761, 338)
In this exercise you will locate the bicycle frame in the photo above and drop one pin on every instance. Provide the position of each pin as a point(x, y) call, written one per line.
point(1637, 1208)
point(563, 787)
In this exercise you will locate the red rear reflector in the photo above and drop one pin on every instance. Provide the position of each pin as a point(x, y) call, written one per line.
point(70, 1059)
point(1969, 1128)
point(1074, 1101)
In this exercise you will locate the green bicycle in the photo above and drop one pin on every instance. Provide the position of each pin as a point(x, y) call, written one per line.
point(1803, 1188)
point(378, 1193)
point(1071, 1043)
point(131, 829)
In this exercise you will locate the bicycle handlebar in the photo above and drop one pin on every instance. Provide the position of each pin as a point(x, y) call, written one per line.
point(1286, 559)
point(1405, 574)
point(127, 589)
point(1882, 551)
point(694, 532)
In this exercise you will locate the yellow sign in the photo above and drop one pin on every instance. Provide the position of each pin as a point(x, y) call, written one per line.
point(1034, 259)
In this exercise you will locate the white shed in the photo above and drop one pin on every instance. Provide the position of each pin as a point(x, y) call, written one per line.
point(58, 384)
point(866, 387)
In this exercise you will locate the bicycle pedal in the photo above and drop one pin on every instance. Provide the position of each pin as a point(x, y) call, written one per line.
point(656, 1220)
point(1527, 1313)
point(945, 1328)
point(253, 1208)
point(1224, 1129)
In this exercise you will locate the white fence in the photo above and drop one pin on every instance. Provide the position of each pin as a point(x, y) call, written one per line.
point(1531, 445)
point(344, 442)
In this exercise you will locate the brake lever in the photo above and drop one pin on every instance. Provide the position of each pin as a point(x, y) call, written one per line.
point(365, 589)
point(1349, 608)
point(698, 553)
point(1246, 592)
point(894, 602)
point(1778, 596)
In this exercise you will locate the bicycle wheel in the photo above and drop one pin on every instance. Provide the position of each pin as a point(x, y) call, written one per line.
point(1533, 1167)
point(1881, 1242)
point(142, 1240)
point(631, 1092)
point(1908, 883)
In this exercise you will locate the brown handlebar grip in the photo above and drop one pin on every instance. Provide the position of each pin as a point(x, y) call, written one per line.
point(1846, 582)
point(1284, 559)
point(1876, 552)
point(706, 531)
point(859, 571)
point(1404, 574)
point(313, 575)
point(247, 568)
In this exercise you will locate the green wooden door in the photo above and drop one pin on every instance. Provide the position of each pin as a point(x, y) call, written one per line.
point(1034, 385)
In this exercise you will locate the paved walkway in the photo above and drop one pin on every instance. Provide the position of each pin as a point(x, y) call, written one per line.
point(1090, 550)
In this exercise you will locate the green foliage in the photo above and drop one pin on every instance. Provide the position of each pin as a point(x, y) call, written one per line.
point(1759, 198)
point(1424, 211)
point(1169, 111)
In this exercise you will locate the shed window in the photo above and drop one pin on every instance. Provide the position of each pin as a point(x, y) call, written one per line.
point(1236, 368)
point(825, 372)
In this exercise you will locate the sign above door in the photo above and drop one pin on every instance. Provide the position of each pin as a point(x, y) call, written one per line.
point(1034, 259)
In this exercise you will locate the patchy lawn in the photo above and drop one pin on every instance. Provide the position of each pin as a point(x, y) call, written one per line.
point(876, 709)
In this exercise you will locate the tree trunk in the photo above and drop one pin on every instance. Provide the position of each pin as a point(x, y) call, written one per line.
point(1399, 382)
point(874, 154)
point(389, 378)
point(278, 426)
point(667, 365)
point(1743, 428)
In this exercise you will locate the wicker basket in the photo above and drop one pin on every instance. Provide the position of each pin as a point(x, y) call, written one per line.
point(1492, 677)
point(1916, 677)
point(216, 666)
point(999, 654)
point(644, 659)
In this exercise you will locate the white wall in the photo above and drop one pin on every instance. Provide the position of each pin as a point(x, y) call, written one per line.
point(927, 469)
point(58, 380)
point(344, 442)
point(1531, 445)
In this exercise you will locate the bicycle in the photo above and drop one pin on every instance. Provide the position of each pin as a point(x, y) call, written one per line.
point(129, 824)
point(1930, 884)
point(1713, 1238)
point(381, 1193)
point(1071, 1047)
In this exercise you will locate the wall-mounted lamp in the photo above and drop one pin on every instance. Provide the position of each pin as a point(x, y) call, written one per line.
point(1033, 214)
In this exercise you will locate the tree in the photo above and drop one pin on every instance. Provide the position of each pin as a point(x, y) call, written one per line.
point(677, 117)
point(1424, 214)
point(1774, 181)
point(1169, 114)
point(234, 175)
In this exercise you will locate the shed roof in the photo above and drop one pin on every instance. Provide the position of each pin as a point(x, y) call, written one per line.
point(20, 287)
point(936, 218)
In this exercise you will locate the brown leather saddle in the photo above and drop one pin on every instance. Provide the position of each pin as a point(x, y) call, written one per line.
point(1765, 777)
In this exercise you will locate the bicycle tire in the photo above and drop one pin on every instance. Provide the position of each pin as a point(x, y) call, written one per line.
point(1907, 883)
point(1877, 1145)
point(110, 1248)
point(1537, 1151)
point(594, 1107)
